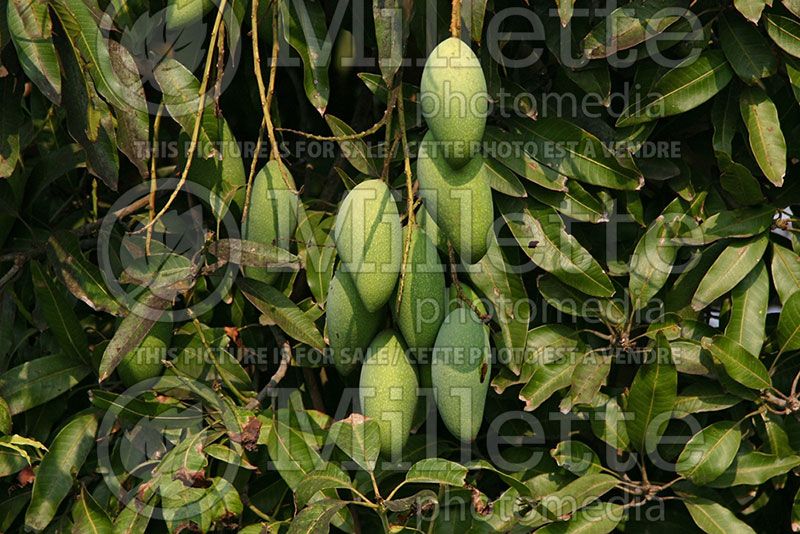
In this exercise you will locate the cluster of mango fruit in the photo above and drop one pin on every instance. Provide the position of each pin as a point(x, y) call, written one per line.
point(436, 331)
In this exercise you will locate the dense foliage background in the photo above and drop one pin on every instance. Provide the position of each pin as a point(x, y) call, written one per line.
point(666, 270)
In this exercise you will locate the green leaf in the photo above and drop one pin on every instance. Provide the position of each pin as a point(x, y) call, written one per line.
point(785, 32)
point(330, 477)
point(56, 474)
point(751, 9)
point(437, 471)
point(316, 518)
point(576, 457)
point(709, 452)
point(577, 494)
point(253, 254)
point(552, 352)
point(652, 397)
point(753, 468)
point(512, 481)
point(576, 202)
point(505, 290)
point(283, 312)
point(742, 222)
point(359, 438)
point(789, 324)
point(651, 262)
point(30, 28)
point(749, 301)
point(131, 331)
point(59, 315)
point(739, 364)
point(597, 518)
point(730, 268)
point(10, 124)
point(631, 25)
point(714, 518)
point(83, 278)
point(565, 10)
point(219, 166)
point(764, 128)
point(746, 49)
point(704, 397)
point(681, 89)
point(304, 29)
point(589, 375)
point(133, 121)
point(580, 154)
point(356, 151)
point(502, 179)
point(573, 302)
point(80, 23)
point(542, 235)
point(89, 516)
point(785, 269)
point(392, 26)
point(521, 162)
point(38, 381)
point(608, 424)
point(89, 119)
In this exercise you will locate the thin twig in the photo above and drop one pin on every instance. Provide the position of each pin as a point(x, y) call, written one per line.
point(153, 186)
point(283, 367)
point(198, 117)
point(409, 203)
point(455, 19)
point(349, 137)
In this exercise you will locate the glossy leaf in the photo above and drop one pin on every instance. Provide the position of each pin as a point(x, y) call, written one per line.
point(283, 312)
point(652, 397)
point(542, 236)
point(730, 268)
point(681, 89)
point(766, 138)
point(709, 452)
point(746, 49)
point(304, 28)
point(55, 477)
point(740, 365)
point(30, 28)
point(789, 324)
point(749, 302)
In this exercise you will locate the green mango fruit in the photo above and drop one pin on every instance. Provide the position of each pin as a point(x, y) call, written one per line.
point(454, 99)
point(144, 361)
point(272, 216)
point(422, 296)
point(350, 326)
point(388, 391)
point(458, 200)
point(369, 240)
point(461, 372)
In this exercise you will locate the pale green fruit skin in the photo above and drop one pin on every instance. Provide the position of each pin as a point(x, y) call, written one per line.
point(422, 302)
point(272, 216)
point(144, 361)
point(388, 391)
point(350, 326)
point(462, 347)
point(452, 71)
point(458, 200)
point(369, 240)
